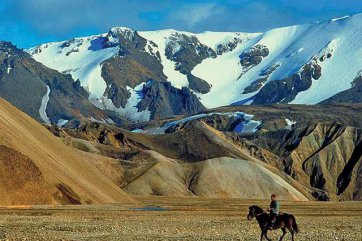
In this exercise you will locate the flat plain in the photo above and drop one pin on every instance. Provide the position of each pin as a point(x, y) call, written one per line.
point(160, 218)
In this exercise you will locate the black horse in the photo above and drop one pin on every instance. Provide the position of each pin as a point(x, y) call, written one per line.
point(283, 221)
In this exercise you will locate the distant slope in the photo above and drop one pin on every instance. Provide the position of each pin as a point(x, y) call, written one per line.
point(124, 70)
point(213, 178)
point(303, 145)
point(37, 168)
point(274, 116)
point(176, 157)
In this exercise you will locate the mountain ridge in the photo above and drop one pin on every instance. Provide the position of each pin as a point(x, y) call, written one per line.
point(134, 76)
point(294, 64)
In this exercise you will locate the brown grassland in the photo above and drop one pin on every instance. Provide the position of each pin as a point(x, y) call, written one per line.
point(181, 219)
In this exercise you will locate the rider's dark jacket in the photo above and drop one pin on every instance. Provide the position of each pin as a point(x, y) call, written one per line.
point(274, 207)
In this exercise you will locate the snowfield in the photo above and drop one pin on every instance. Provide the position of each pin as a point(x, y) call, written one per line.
point(289, 49)
point(80, 57)
point(246, 125)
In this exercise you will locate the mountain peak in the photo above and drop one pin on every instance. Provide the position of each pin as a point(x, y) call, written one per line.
point(120, 30)
point(301, 64)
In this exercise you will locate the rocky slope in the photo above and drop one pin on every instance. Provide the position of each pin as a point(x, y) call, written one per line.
point(263, 117)
point(323, 156)
point(161, 165)
point(315, 155)
point(122, 72)
point(45, 94)
point(56, 98)
point(302, 145)
point(37, 168)
point(303, 64)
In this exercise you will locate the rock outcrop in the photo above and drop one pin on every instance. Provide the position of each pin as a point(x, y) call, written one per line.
point(163, 100)
point(285, 90)
point(326, 157)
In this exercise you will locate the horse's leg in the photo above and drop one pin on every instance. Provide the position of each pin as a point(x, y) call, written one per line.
point(266, 235)
point(261, 236)
point(284, 232)
point(292, 232)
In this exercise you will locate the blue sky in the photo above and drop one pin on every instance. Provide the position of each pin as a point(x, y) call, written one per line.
point(30, 22)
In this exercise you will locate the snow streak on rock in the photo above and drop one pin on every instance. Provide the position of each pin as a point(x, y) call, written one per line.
point(43, 107)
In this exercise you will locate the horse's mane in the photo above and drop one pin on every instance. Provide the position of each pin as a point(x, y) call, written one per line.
point(257, 209)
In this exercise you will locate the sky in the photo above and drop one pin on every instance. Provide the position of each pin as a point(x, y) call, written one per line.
point(28, 23)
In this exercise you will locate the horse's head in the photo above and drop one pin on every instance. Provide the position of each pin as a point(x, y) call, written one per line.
point(254, 211)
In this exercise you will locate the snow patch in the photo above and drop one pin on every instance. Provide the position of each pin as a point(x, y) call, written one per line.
point(8, 69)
point(43, 107)
point(290, 124)
point(62, 122)
point(110, 121)
point(247, 125)
point(214, 39)
point(294, 53)
point(336, 19)
point(175, 47)
point(126, 32)
point(130, 111)
point(359, 74)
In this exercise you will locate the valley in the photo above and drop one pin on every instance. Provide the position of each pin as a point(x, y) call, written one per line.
point(180, 219)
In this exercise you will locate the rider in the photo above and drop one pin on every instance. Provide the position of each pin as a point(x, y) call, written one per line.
point(274, 210)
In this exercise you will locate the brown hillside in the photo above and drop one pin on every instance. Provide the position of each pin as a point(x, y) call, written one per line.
point(196, 160)
point(321, 160)
point(222, 177)
point(37, 168)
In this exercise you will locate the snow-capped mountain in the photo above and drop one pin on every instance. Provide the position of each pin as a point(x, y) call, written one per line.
point(45, 94)
point(156, 74)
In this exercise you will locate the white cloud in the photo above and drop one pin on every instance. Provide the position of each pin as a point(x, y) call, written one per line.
point(194, 14)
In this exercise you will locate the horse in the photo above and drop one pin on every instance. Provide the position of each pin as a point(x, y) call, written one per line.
point(283, 221)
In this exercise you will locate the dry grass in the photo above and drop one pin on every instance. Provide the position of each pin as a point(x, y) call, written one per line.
point(186, 219)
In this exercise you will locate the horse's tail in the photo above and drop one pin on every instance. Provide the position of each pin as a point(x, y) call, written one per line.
point(294, 224)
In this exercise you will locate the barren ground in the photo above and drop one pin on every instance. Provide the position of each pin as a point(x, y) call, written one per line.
point(182, 219)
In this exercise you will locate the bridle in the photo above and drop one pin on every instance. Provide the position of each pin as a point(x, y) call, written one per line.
point(257, 215)
point(252, 214)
